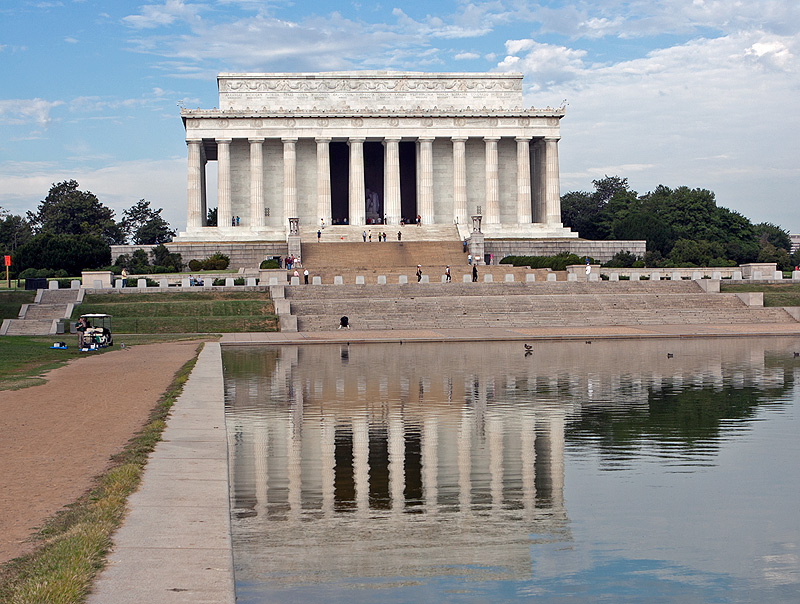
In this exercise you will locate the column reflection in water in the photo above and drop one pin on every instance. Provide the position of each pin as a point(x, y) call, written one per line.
point(380, 462)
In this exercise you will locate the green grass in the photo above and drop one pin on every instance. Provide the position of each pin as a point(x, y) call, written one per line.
point(200, 312)
point(23, 359)
point(73, 544)
point(12, 300)
point(775, 294)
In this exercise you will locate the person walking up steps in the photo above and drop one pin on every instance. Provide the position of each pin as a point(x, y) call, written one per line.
point(474, 273)
point(447, 274)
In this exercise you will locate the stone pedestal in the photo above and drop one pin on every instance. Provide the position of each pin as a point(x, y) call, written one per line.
point(476, 242)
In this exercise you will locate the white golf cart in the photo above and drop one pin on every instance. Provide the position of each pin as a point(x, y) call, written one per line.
point(94, 331)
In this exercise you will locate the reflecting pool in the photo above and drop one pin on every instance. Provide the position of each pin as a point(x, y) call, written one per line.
point(661, 470)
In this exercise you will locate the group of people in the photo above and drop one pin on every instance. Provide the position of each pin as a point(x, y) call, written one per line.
point(368, 236)
point(234, 221)
point(288, 262)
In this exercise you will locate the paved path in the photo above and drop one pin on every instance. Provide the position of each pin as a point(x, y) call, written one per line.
point(175, 544)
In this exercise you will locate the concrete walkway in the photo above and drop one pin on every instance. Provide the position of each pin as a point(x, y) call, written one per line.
point(175, 544)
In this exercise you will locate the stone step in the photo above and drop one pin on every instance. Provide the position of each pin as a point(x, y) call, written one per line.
point(355, 234)
point(59, 296)
point(20, 327)
point(389, 255)
point(46, 311)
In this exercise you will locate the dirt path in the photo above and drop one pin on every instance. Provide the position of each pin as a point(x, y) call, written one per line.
point(56, 437)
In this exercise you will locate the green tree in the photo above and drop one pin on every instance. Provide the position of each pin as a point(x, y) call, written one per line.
point(72, 253)
point(14, 231)
point(69, 211)
point(774, 235)
point(144, 226)
point(211, 219)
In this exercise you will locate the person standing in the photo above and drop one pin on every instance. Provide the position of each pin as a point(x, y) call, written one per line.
point(419, 273)
point(364, 236)
point(399, 235)
point(469, 259)
point(319, 236)
point(305, 276)
point(465, 245)
point(447, 274)
point(124, 276)
point(474, 273)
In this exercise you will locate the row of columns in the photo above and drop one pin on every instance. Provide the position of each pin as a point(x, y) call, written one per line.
point(546, 179)
point(507, 466)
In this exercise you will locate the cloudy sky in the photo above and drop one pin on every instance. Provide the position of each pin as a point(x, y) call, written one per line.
point(703, 93)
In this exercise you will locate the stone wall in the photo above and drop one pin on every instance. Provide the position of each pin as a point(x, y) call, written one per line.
point(242, 255)
point(602, 251)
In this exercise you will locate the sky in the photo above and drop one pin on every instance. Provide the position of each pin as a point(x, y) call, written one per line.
point(697, 93)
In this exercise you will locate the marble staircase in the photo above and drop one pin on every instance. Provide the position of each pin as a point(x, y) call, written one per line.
point(519, 304)
point(41, 317)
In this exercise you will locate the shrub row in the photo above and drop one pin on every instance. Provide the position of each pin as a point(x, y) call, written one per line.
point(215, 262)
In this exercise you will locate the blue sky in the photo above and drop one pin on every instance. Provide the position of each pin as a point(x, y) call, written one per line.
point(703, 93)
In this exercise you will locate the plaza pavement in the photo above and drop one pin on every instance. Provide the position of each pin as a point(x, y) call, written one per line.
point(175, 544)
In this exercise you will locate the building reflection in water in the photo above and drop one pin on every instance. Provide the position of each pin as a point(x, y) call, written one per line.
point(428, 459)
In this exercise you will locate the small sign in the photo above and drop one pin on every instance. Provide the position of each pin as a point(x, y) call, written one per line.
point(8, 260)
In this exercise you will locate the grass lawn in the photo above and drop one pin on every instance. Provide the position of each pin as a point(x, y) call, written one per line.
point(23, 359)
point(775, 294)
point(11, 301)
point(183, 312)
point(74, 543)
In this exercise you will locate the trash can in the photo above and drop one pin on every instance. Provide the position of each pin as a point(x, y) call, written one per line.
point(35, 284)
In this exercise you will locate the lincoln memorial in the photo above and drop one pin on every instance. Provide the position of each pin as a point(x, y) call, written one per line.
point(369, 147)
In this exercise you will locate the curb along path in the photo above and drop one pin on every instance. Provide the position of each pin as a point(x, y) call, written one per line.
point(175, 546)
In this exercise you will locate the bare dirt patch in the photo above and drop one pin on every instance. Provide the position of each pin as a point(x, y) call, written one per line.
point(56, 437)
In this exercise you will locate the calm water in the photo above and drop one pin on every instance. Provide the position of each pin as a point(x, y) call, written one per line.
point(608, 471)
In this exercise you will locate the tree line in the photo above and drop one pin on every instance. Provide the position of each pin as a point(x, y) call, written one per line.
point(72, 230)
point(683, 227)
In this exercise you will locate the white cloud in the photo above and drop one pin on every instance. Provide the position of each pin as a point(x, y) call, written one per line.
point(71, 40)
point(153, 15)
point(26, 111)
point(714, 113)
point(465, 56)
point(118, 186)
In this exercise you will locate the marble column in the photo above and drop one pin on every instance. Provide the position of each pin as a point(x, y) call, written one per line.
point(361, 462)
point(460, 179)
point(357, 194)
point(396, 446)
point(553, 188)
point(224, 210)
point(289, 180)
point(391, 180)
point(492, 210)
point(426, 180)
point(430, 464)
point(324, 181)
point(257, 219)
point(194, 186)
point(540, 182)
point(523, 179)
point(328, 462)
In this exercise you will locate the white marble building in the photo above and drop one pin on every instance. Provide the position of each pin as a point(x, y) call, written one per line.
point(365, 147)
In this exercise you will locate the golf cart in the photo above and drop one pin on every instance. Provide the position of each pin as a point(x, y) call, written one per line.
point(94, 331)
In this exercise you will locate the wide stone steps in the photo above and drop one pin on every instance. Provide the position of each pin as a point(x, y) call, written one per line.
point(27, 327)
point(497, 288)
point(58, 296)
point(389, 255)
point(545, 303)
point(46, 311)
point(354, 234)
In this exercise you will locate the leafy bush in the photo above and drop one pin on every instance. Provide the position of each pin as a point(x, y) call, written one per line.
point(265, 264)
point(216, 262)
point(622, 259)
point(557, 263)
point(195, 265)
